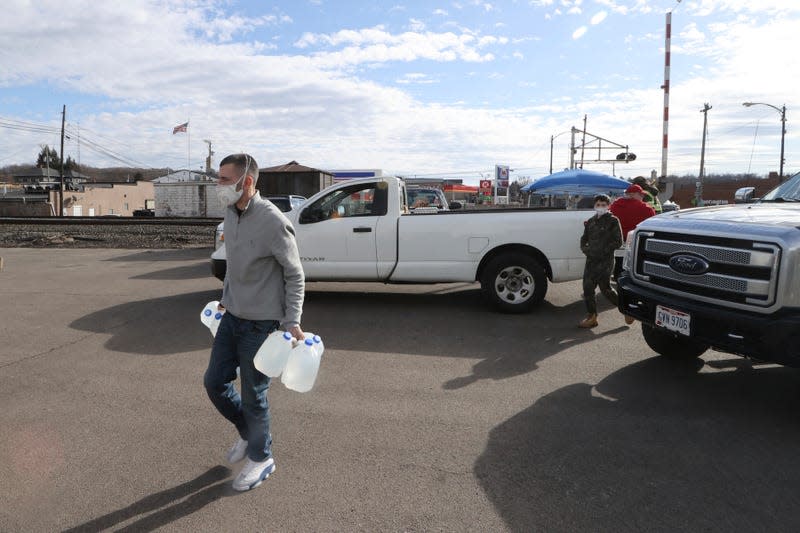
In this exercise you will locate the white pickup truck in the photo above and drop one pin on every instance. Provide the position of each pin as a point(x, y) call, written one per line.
point(362, 230)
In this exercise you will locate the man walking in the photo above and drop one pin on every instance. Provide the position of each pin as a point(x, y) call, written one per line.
point(263, 290)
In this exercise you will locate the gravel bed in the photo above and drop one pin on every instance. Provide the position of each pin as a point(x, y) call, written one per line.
point(116, 236)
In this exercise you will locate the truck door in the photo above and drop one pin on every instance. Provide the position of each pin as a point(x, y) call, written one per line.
point(336, 234)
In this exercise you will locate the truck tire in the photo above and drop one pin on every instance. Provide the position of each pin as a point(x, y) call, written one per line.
point(514, 282)
point(670, 346)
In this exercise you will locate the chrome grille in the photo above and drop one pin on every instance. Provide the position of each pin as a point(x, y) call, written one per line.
point(718, 254)
point(739, 272)
point(715, 281)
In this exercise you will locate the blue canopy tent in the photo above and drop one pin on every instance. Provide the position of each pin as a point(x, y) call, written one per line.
point(577, 181)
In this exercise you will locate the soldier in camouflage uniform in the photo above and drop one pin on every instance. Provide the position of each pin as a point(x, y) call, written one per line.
point(601, 236)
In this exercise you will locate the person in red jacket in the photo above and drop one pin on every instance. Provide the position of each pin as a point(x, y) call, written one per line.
point(631, 209)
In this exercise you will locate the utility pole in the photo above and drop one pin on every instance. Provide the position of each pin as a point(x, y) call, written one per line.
point(699, 190)
point(551, 154)
point(583, 142)
point(208, 159)
point(61, 172)
point(783, 138)
point(572, 149)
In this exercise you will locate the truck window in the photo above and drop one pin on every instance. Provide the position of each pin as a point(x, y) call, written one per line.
point(362, 200)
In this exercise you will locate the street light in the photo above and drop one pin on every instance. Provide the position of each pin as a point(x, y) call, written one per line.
point(782, 111)
point(552, 138)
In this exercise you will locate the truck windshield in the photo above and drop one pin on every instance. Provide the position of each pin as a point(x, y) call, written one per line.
point(785, 192)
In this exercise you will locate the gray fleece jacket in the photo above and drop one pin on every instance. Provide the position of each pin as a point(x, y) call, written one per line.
point(264, 278)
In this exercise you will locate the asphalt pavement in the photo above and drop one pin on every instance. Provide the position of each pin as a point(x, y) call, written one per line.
point(430, 413)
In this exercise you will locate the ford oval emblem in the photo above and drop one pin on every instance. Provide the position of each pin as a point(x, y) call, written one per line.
point(688, 264)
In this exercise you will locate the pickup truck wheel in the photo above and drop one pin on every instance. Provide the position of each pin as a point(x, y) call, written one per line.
point(670, 346)
point(514, 282)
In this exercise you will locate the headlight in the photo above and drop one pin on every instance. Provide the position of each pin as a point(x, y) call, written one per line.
point(627, 259)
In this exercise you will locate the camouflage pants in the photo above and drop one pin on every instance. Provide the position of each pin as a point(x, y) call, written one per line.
point(597, 273)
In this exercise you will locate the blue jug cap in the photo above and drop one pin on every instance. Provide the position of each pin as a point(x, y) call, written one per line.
point(218, 316)
point(287, 335)
point(317, 338)
point(207, 312)
point(309, 342)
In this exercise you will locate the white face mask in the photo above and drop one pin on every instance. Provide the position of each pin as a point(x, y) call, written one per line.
point(228, 195)
point(601, 211)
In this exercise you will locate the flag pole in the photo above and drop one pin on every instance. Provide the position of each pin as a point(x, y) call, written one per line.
point(188, 147)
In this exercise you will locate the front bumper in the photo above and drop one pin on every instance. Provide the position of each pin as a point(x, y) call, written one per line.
point(774, 338)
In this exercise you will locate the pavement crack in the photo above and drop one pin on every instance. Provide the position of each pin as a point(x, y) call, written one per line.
point(47, 352)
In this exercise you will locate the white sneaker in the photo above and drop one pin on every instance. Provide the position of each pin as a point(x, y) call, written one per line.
point(237, 451)
point(253, 474)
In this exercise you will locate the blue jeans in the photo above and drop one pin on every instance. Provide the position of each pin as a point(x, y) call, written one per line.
point(236, 344)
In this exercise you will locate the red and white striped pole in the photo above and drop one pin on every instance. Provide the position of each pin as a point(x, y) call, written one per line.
point(665, 142)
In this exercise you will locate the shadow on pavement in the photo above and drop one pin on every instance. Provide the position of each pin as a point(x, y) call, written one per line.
point(451, 324)
point(656, 447)
point(169, 504)
point(159, 326)
point(193, 271)
point(182, 254)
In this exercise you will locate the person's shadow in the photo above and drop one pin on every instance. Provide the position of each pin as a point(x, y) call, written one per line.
point(655, 446)
point(170, 505)
point(520, 358)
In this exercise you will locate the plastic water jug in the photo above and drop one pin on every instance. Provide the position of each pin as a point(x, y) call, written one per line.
point(271, 358)
point(302, 367)
point(318, 344)
point(210, 316)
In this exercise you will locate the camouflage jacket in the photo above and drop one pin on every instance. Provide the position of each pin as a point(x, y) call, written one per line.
point(601, 236)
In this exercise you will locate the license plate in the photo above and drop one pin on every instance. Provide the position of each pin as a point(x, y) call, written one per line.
point(673, 320)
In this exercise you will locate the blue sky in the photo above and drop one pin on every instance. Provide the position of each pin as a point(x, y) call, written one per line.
point(417, 88)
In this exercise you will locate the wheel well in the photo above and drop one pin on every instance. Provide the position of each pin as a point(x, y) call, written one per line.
point(516, 248)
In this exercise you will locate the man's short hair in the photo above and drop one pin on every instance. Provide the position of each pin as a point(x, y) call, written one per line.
point(602, 198)
point(244, 163)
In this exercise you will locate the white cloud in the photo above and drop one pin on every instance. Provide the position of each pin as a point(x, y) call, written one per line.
point(224, 28)
point(541, 3)
point(577, 34)
point(598, 18)
point(416, 78)
point(518, 55)
point(518, 40)
point(441, 12)
point(376, 45)
point(613, 6)
point(575, 10)
point(416, 25)
point(691, 41)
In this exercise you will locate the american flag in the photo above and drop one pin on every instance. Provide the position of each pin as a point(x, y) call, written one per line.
point(180, 128)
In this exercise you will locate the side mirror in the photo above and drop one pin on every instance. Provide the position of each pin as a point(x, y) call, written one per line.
point(456, 205)
point(744, 195)
point(309, 216)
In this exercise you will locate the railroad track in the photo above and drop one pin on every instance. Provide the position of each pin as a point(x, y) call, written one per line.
point(110, 221)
